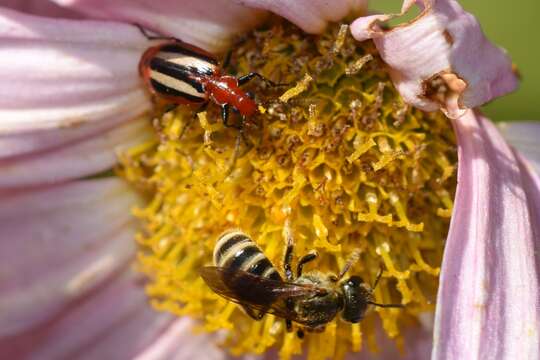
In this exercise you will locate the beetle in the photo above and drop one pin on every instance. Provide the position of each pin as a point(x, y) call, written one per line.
point(181, 73)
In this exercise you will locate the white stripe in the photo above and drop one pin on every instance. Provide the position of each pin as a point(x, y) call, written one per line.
point(254, 259)
point(268, 272)
point(176, 84)
point(223, 239)
point(229, 255)
point(187, 61)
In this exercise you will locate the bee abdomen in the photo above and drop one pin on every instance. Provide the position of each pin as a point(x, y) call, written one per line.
point(236, 251)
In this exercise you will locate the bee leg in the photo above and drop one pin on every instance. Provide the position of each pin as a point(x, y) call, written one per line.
point(377, 278)
point(253, 314)
point(288, 252)
point(312, 255)
point(316, 329)
point(288, 325)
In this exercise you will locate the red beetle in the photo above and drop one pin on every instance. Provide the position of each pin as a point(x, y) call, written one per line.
point(185, 74)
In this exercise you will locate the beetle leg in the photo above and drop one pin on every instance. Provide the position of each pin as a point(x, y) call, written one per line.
point(312, 255)
point(150, 36)
point(246, 78)
point(190, 120)
point(169, 108)
point(225, 116)
point(227, 59)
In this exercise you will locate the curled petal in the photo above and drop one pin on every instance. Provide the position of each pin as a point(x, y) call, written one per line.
point(60, 73)
point(488, 305)
point(57, 244)
point(208, 24)
point(524, 135)
point(311, 15)
point(72, 160)
point(441, 59)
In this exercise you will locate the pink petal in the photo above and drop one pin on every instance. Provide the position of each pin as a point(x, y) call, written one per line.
point(441, 59)
point(489, 298)
point(179, 342)
point(311, 15)
point(417, 346)
point(113, 322)
point(40, 7)
point(73, 160)
point(524, 136)
point(66, 73)
point(209, 23)
point(57, 244)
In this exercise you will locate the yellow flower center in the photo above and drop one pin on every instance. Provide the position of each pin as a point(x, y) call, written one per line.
point(338, 156)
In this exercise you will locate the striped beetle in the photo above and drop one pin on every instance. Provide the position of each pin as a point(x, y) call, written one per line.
point(182, 73)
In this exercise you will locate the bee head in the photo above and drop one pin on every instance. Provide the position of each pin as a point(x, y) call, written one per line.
point(356, 297)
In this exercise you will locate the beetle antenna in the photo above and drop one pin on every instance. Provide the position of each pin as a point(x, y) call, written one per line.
point(149, 36)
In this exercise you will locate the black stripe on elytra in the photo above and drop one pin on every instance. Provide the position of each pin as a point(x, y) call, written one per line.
point(228, 244)
point(242, 256)
point(186, 74)
point(162, 89)
point(260, 267)
point(179, 49)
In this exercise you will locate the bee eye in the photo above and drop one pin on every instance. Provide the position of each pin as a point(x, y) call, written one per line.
point(355, 281)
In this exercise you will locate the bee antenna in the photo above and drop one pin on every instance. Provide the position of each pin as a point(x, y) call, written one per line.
point(377, 279)
point(386, 305)
point(350, 262)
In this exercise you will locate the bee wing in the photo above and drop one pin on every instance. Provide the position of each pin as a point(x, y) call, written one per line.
point(257, 292)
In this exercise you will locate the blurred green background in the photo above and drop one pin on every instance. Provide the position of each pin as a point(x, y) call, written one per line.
point(514, 26)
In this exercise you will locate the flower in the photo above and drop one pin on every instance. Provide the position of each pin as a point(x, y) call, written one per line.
point(73, 94)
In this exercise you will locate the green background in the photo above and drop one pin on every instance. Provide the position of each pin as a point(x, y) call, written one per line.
point(514, 26)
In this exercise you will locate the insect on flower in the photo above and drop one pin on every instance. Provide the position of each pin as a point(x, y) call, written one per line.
point(182, 73)
point(244, 275)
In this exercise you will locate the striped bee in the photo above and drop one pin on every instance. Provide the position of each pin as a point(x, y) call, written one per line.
point(181, 73)
point(244, 275)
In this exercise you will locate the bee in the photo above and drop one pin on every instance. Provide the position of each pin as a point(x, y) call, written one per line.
point(244, 275)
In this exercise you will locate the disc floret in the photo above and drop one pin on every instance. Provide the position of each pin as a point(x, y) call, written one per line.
point(338, 155)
